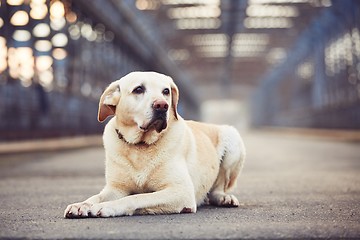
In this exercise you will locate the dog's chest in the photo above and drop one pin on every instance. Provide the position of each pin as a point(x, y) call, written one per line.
point(135, 172)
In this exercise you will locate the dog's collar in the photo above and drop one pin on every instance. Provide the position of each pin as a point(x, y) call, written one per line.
point(121, 137)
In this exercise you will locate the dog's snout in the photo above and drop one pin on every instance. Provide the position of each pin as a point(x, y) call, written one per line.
point(160, 106)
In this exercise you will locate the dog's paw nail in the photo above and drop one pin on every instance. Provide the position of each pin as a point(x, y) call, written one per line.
point(97, 213)
point(68, 215)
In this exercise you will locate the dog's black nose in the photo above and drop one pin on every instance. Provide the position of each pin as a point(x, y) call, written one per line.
point(160, 106)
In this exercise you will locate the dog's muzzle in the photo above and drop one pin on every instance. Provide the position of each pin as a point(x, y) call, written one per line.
point(158, 123)
point(159, 119)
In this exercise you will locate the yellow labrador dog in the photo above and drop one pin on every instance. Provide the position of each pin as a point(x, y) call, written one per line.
point(156, 162)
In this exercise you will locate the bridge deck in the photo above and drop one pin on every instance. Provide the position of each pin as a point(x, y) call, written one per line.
point(291, 187)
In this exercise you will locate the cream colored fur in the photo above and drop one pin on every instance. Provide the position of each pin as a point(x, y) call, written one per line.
point(171, 171)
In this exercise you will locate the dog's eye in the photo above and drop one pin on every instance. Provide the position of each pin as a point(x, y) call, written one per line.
point(139, 90)
point(166, 91)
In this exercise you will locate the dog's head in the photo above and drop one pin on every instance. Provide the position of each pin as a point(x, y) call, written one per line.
point(146, 100)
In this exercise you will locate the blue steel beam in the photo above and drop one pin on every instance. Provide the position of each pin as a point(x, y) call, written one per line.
point(332, 23)
point(329, 24)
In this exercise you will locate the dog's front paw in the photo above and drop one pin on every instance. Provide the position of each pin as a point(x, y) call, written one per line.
point(77, 210)
point(102, 210)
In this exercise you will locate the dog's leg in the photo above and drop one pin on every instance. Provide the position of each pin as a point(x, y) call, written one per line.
point(232, 153)
point(219, 194)
point(170, 200)
point(82, 209)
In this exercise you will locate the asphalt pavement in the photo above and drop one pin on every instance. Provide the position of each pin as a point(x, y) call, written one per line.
point(292, 187)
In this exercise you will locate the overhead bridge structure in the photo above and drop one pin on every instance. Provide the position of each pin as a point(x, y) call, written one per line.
point(292, 63)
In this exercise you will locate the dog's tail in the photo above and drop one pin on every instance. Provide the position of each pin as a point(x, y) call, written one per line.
point(231, 152)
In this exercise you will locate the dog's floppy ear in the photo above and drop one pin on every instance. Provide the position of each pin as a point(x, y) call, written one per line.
point(108, 101)
point(174, 98)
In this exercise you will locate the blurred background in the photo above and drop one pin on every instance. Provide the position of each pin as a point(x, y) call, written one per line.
point(250, 63)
